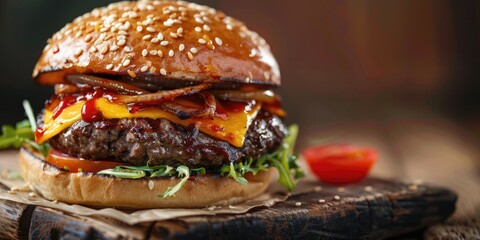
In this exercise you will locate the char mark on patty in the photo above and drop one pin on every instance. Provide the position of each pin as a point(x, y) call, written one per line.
point(141, 141)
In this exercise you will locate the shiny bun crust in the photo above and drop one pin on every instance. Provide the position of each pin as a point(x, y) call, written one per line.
point(160, 39)
point(103, 191)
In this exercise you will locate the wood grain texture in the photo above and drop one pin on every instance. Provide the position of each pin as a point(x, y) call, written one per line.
point(51, 224)
point(14, 220)
point(389, 209)
point(456, 228)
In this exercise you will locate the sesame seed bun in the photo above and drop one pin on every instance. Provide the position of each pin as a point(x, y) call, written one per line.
point(155, 40)
point(103, 191)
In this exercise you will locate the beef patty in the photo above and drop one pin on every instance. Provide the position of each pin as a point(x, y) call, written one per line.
point(142, 141)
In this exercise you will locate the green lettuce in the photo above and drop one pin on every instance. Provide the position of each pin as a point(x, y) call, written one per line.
point(22, 133)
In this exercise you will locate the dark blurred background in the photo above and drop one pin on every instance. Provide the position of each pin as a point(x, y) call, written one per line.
point(340, 60)
point(400, 75)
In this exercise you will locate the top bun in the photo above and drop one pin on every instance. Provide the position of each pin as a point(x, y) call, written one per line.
point(159, 40)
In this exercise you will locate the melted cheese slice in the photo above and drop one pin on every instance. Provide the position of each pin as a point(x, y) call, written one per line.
point(232, 129)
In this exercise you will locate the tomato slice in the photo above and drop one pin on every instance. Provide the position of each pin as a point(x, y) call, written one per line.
point(73, 164)
point(340, 164)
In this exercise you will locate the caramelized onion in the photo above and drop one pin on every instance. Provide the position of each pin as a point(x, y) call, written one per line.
point(66, 89)
point(260, 96)
point(162, 96)
point(119, 87)
point(185, 112)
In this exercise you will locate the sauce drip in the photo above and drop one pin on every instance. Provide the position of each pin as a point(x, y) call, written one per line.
point(90, 113)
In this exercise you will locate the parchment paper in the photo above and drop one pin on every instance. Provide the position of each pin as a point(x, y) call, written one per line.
point(22, 194)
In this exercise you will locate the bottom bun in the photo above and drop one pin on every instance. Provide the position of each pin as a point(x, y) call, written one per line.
point(104, 191)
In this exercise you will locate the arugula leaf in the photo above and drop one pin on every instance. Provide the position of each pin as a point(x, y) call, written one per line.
point(163, 171)
point(123, 173)
point(31, 117)
point(22, 133)
point(237, 176)
point(198, 171)
point(184, 173)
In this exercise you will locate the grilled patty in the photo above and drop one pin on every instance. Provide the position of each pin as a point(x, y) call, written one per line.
point(141, 141)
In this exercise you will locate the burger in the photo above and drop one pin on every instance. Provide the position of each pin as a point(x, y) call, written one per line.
point(158, 104)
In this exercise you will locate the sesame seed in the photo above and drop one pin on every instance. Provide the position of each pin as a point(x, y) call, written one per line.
point(253, 52)
point(198, 29)
point(180, 30)
point(318, 189)
point(168, 23)
point(131, 73)
point(160, 36)
point(190, 56)
point(202, 41)
point(121, 32)
point(93, 49)
point(144, 52)
point(144, 68)
point(193, 50)
point(78, 52)
point(211, 208)
point(298, 204)
point(413, 187)
point(198, 20)
point(163, 72)
point(181, 47)
point(218, 41)
point(321, 200)
point(341, 189)
point(114, 48)
point(121, 37)
point(368, 188)
point(171, 53)
point(229, 27)
point(146, 37)
point(150, 29)
point(104, 29)
point(151, 184)
point(126, 62)
point(127, 49)
point(160, 53)
point(78, 34)
point(153, 52)
point(104, 50)
point(206, 28)
point(336, 197)
point(139, 28)
point(164, 43)
point(173, 35)
point(87, 38)
point(155, 40)
point(121, 42)
point(109, 66)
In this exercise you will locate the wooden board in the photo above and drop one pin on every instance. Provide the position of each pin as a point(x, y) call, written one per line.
point(372, 209)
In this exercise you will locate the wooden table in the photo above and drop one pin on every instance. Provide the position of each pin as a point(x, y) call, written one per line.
point(372, 209)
